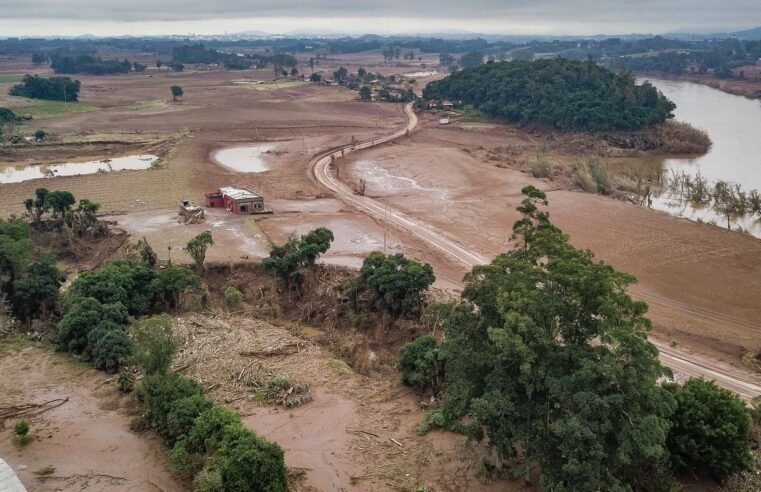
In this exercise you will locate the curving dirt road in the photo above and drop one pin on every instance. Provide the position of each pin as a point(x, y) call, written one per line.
point(679, 360)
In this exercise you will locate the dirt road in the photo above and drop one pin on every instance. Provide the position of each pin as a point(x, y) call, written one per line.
point(679, 360)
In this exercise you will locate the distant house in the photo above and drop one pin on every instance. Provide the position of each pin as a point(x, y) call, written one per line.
point(447, 105)
point(236, 200)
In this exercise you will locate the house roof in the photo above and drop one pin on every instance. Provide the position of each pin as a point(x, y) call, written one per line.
point(239, 193)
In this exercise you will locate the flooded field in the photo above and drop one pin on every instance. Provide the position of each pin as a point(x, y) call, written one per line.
point(27, 173)
point(244, 159)
point(732, 122)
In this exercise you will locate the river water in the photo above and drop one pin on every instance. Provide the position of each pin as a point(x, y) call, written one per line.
point(734, 125)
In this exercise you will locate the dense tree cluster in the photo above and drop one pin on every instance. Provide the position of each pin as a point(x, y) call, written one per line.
point(88, 64)
point(396, 282)
point(29, 280)
point(561, 93)
point(51, 88)
point(547, 357)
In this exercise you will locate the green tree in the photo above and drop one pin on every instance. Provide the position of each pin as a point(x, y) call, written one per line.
point(176, 92)
point(112, 348)
point(471, 59)
point(365, 93)
point(170, 283)
point(291, 259)
point(248, 463)
point(197, 248)
point(80, 316)
point(15, 249)
point(155, 344)
point(125, 282)
point(38, 205)
point(709, 430)
point(396, 281)
point(59, 202)
point(36, 294)
point(548, 355)
point(421, 364)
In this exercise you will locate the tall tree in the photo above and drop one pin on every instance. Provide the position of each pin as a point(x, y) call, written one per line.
point(197, 248)
point(548, 354)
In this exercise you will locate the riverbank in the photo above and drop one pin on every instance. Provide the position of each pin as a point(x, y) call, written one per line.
point(737, 87)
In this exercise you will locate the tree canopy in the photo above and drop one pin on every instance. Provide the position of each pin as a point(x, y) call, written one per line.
point(548, 355)
point(51, 88)
point(562, 93)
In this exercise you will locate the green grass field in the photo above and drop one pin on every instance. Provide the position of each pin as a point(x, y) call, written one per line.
point(8, 78)
point(41, 109)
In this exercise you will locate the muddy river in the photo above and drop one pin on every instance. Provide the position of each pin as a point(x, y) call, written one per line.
point(734, 125)
point(244, 159)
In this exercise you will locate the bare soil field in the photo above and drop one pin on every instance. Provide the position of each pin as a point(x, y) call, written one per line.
point(702, 282)
point(83, 444)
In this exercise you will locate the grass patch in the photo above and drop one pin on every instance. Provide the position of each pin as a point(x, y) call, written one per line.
point(143, 105)
point(41, 109)
point(8, 78)
point(274, 85)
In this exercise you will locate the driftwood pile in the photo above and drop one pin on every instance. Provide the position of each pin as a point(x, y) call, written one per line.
point(239, 358)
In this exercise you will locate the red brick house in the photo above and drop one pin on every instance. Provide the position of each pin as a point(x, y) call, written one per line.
point(236, 200)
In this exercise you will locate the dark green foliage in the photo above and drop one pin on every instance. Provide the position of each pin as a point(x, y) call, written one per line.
point(709, 430)
point(170, 283)
point(365, 93)
point(52, 88)
point(87, 64)
point(112, 348)
point(80, 316)
point(210, 428)
point(558, 92)
point(126, 282)
point(197, 247)
point(421, 364)
point(176, 91)
point(36, 293)
point(248, 463)
point(59, 202)
point(289, 260)
point(39, 57)
point(40, 135)
point(548, 356)
point(7, 116)
point(15, 248)
point(195, 53)
point(126, 382)
point(139, 67)
point(179, 420)
point(396, 281)
point(471, 59)
point(21, 428)
point(161, 394)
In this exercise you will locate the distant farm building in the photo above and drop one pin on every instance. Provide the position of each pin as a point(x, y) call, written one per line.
point(190, 213)
point(236, 200)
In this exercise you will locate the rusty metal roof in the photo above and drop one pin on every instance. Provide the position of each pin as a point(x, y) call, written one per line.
point(239, 193)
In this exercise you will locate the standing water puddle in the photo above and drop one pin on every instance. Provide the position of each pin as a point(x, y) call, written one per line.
point(20, 174)
point(244, 159)
point(733, 123)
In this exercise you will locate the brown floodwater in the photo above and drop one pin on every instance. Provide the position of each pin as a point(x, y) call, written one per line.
point(734, 126)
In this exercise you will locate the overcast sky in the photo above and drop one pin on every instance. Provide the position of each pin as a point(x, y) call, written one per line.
point(136, 17)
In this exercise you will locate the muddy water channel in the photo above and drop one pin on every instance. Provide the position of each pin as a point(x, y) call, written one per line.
point(734, 125)
point(244, 159)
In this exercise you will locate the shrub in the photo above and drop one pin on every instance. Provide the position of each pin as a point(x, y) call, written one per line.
point(40, 135)
point(155, 344)
point(233, 297)
point(170, 283)
point(204, 438)
point(121, 281)
point(246, 462)
point(209, 480)
point(709, 430)
point(21, 429)
point(289, 260)
point(80, 316)
point(540, 168)
point(126, 382)
point(421, 364)
point(111, 350)
point(161, 392)
point(180, 418)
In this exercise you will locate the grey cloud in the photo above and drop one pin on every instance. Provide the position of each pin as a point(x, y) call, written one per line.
point(696, 14)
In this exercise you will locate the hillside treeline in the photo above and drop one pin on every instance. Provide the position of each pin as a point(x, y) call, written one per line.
point(88, 64)
point(562, 93)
